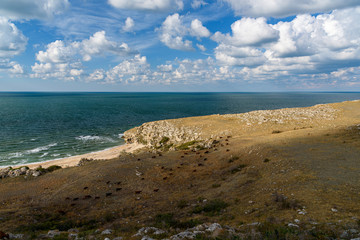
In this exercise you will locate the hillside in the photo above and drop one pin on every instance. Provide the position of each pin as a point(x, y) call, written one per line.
point(287, 173)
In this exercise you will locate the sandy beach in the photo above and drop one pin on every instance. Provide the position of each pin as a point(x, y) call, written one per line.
point(100, 155)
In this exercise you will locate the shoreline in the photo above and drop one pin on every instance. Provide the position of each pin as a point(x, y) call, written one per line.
point(72, 161)
point(252, 118)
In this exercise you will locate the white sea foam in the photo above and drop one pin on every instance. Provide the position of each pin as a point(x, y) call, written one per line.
point(15, 155)
point(121, 135)
point(31, 151)
point(94, 139)
point(40, 149)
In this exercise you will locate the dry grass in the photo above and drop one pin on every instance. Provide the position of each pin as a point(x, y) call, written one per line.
point(230, 187)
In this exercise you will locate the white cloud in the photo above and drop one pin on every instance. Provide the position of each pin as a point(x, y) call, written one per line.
point(53, 70)
point(198, 3)
point(198, 30)
point(132, 70)
point(240, 56)
point(56, 52)
point(26, 9)
point(137, 70)
point(97, 75)
point(76, 72)
point(12, 41)
point(98, 44)
point(149, 5)
point(325, 37)
point(248, 32)
point(201, 47)
point(11, 67)
point(283, 8)
point(165, 68)
point(129, 24)
point(17, 69)
point(198, 71)
point(172, 32)
point(63, 60)
point(308, 48)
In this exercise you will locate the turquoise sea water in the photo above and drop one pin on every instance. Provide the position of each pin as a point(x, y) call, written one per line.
point(37, 127)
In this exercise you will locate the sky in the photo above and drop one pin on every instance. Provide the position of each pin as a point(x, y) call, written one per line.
point(180, 45)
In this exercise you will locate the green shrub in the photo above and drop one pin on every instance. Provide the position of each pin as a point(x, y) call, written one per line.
point(277, 231)
point(164, 140)
point(238, 168)
point(234, 158)
point(185, 146)
point(182, 204)
point(285, 203)
point(189, 224)
point(211, 208)
point(165, 220)
point(53, 168)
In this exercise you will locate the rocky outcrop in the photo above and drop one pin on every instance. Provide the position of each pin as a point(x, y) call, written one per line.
point(202, 131)
point(166, 133)
point(10, 172)
point(26, 171)
point(281, 116)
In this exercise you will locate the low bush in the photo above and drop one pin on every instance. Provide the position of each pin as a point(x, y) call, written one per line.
point(286, 203)
point(237, 169)
point(186, 146)
point(211, 208)
point(53, 168)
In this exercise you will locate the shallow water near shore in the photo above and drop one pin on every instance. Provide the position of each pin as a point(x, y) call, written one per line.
point(37, 127)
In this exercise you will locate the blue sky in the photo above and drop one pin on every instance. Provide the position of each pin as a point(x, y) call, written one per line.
point(179, 45)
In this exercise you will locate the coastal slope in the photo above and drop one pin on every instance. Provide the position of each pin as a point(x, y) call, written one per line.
point(257, 172)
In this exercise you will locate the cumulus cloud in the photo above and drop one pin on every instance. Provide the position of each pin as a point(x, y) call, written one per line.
point(283, 8)
point(185, 71)
point(240, 56)
point(306, 49)
point(129, 24)
point(132, 70)
point(148, 5)
point(198, 30)
point(64, 60)
point(248, 32)
point(12, 41)
point(173, 31)
point(56, 52)
point(325, 37)
point(11, 67)
point(25, 9)
point(98, 44)
point(16, 69)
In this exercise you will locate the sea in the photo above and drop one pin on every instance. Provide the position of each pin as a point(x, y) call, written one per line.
point(42, 126)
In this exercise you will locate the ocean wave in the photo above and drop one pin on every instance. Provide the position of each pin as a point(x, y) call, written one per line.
point(40, 149)
point(121, 135)
point(90, 138)
point(31, 151)
point(15, 155)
